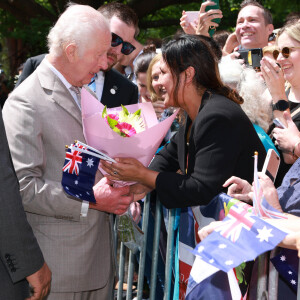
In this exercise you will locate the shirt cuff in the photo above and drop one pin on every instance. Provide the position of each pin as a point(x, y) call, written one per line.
point(84, 208)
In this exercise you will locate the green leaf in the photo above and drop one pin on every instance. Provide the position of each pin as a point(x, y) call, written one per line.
point(125, 110)
point(137, 113)
point(104, 112)
point(112, 123)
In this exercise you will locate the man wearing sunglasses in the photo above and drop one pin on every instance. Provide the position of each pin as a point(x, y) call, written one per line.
point(111, 87)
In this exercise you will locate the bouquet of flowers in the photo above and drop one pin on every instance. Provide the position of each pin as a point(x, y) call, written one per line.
point(142, 119)
point(131, 131)
point(124, 123)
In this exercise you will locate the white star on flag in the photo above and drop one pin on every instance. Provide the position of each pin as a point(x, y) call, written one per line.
point(201, 248)
point(76, 182)
point(282, 258)
point(228, 262)
point(293, 282)
point(290, 272)
point(90, 162)
point(264, 234)
point(222, 246)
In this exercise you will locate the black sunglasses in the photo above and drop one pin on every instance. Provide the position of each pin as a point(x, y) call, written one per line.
point(127, 48)
point(285, 51)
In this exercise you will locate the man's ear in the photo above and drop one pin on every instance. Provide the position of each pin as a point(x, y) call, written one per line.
point(270, 28)
point(189, 74)
point(71, 52)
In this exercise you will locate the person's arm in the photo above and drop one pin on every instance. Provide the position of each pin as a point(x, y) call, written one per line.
point(212, 151)
point(19, 250)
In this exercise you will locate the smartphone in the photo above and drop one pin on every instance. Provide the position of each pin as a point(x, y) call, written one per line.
point(278, 123)
point(271, 164)
point(191, 16)
point(217, 20)
point(252, 57)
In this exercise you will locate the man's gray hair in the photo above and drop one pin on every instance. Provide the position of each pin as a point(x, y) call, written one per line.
point(76, 25)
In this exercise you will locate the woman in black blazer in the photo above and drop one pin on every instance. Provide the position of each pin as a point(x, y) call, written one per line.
point(216, 141)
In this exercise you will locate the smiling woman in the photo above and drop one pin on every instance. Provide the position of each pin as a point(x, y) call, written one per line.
point(210, 147)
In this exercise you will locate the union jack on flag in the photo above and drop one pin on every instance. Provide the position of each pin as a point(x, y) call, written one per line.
point(237, 219)
point(73, 159)
point(80, 167)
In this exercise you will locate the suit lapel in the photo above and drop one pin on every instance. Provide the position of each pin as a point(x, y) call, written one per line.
point(59, 92)
point(110, 95)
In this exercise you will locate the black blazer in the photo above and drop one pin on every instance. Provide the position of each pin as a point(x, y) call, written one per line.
point(118, 90)
point(29, 67)
point(20, 255)
point(221, 144)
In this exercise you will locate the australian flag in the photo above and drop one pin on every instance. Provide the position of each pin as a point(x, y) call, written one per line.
point(240, 237)
point(79, 171)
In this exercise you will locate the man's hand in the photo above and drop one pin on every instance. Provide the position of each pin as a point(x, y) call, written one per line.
point(111, 199)
point(231, 44)
point(40, 282)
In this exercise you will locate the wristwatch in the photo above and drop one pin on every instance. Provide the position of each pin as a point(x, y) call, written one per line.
point(281, 105)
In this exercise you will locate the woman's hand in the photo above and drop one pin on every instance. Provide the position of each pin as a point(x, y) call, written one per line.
point(129, 169)
point(269, 191)
point(206, 18)
point(159, 107)
point(274, 79)
point(287, 138)
point(239, 188)
point(187, 27)
point(206, 230)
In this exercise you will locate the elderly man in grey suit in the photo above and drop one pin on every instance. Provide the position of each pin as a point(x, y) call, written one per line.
point(21, 259)
point(41, 117)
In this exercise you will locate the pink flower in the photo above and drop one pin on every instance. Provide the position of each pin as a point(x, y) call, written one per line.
point(113, 116)
point(127, 129)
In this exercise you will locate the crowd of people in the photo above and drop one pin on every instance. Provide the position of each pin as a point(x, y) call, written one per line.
point(63, 248)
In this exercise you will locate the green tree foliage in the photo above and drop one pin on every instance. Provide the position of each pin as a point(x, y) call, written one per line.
point(29, 21)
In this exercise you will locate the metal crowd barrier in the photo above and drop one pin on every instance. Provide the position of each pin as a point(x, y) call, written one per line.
point(267, 283)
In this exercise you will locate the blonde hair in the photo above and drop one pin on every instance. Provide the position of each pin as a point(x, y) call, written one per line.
point(292, 29)
point(154, 60)
point(269, 49)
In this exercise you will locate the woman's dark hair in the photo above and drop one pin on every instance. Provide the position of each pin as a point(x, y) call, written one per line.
point(189, 51)
point(143, 61)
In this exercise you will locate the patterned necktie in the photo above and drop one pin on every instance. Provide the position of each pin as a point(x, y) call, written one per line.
point(76, 89)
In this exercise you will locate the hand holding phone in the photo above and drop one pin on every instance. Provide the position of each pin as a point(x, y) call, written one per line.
point(278, 123)
point(252, 57)
point(212, 28)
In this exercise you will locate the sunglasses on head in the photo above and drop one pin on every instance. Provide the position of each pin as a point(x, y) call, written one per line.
point(285, 51)
point(127, 48)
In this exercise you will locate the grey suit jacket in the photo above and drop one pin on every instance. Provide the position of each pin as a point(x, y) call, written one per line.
point(41, 117)
point(20, 254)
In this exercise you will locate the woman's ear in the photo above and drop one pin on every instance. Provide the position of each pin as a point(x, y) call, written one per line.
point(189, 74)
point(71, 52)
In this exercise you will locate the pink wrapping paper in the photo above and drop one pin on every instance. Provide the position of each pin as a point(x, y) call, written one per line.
point(99, 135)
